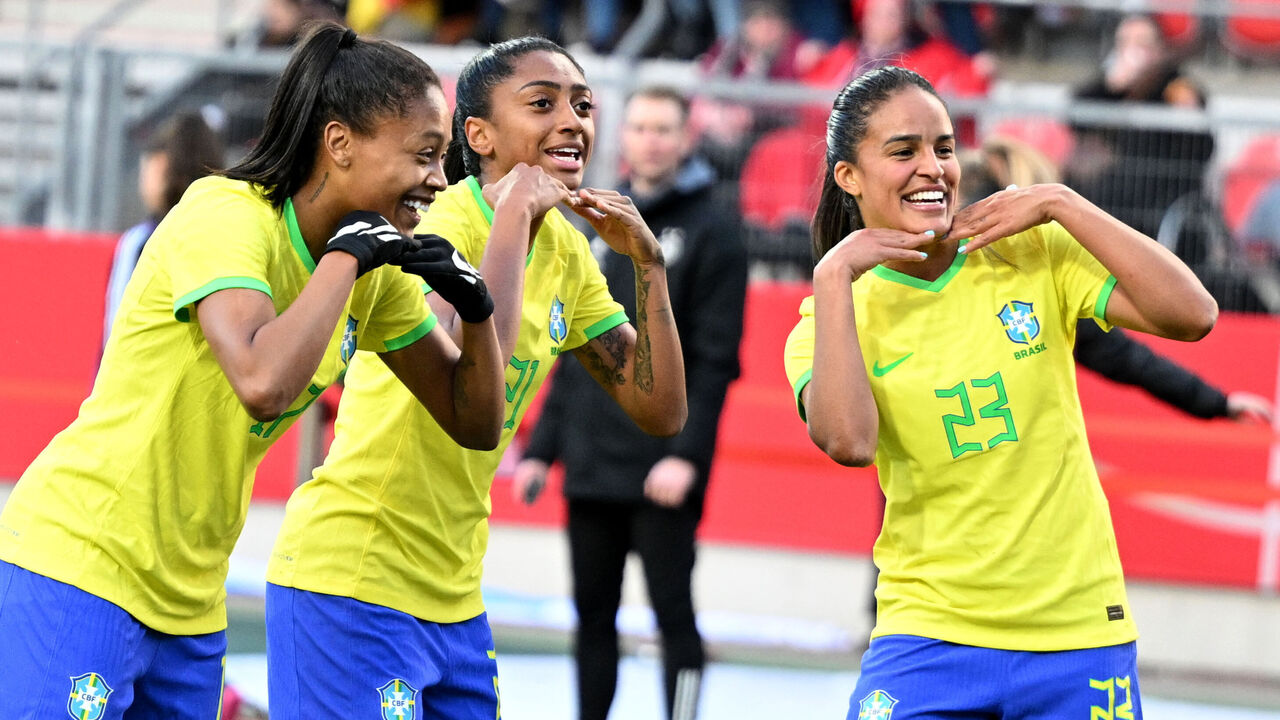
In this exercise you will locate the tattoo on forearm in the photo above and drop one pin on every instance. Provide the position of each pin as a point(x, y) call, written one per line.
point(643, 372)
point(323, 180)
point(607, 361)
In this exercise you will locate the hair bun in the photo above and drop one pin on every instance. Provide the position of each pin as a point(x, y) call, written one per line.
point(348, 39)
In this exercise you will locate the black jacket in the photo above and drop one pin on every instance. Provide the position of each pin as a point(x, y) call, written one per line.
point(605, 456)
point(1118, 357)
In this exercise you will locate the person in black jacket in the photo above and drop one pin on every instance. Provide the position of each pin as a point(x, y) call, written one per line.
point(628, 491)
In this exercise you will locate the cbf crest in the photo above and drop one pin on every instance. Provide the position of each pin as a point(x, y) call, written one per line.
point(349, 339)
point(878, 705)
point(89, 693)
point(397, 700)
point(557, 326)
point(1020, 322)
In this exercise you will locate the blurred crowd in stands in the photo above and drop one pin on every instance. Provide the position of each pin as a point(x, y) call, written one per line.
point(1154, 175)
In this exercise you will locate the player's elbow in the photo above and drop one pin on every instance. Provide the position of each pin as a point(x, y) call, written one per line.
point(264, 403)
point(1198, 319)
point(483, 439)
point(666, 423)
point(847, 450)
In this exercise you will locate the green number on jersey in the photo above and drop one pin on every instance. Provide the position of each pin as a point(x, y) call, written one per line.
point(993, 410)
point(515, 393)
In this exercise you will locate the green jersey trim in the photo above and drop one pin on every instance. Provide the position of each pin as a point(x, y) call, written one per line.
point(181, 311)
point(801, 383)
point(478, 193)
point(932, 286)
point(295, 237)
point(413, 335)
point(1104, 297)
point(601, 327)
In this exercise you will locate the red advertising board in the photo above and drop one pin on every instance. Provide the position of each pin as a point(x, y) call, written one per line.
point(1193, 500)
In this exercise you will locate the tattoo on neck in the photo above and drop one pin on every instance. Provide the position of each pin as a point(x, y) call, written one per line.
point(323, 180)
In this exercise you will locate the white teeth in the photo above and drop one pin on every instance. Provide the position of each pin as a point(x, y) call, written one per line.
point(925, 196)
point(565, 153)
point(416, 204)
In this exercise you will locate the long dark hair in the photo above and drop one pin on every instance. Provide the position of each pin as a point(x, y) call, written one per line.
point(473, 96)
point(192, 150)
point(838, 214)
point(333, 75)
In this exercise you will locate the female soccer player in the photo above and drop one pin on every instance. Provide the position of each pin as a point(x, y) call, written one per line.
point(250, 299)
point(949, 366)
point(375, 596)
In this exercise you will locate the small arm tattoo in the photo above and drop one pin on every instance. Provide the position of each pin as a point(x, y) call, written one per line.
point(606, 357)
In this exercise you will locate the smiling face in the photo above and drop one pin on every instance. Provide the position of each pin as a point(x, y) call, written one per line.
point(398, 170)
point(540, 115)
point(907, 174)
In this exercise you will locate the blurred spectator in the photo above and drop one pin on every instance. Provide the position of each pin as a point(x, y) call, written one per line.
point(1261, 232)
point(1001, 162)
point(887, 34)
point(766, 48)
point(444, 22)
point(180, 152)
point(1131, 172)
point(281, 21)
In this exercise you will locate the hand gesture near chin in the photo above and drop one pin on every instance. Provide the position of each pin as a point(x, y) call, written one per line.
point(864, 249)
point(529, 186)
point(1002, 214)
point(619, 224)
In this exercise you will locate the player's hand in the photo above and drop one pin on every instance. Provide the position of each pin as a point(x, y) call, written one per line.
point(527, 186)
point(1002, 214)
point(370, 238)
point(1247, 407)
point(618, 223)
point(439, 263)
point(528, 480)
point(669, 481)
point(864, 249)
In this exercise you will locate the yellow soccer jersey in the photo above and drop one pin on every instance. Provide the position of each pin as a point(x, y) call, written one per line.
point(398, 514)
point(996, 531)
point(140, 500)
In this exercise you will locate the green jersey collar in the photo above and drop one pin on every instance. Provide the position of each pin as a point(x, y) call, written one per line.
point(295, 237)
point(915, 282)
point(473, 183)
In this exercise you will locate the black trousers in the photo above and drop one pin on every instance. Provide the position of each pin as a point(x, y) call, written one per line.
point(601, 534)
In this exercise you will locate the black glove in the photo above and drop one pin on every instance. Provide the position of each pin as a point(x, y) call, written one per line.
point(370, 238)
point(438, 262)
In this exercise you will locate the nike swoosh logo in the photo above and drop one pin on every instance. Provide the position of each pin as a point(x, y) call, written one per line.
point(882, 371)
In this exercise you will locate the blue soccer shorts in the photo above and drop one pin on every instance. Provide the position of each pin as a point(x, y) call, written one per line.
point(332, 656)
point(67, 653)
point(905, 677)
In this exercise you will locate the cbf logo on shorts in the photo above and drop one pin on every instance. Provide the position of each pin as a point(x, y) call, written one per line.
point(397, 700)
point(558, 328)
point(876, 706)
point(349, 339)
point(89, 693)
point(1019, 321)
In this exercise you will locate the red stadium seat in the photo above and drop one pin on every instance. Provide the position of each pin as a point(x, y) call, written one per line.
point(1180, 29)
point(780, 178)
point(1253, 38)
point(1257, 164)
point(1049, 136)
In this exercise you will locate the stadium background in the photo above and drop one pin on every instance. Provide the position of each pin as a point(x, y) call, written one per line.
point(783, 575)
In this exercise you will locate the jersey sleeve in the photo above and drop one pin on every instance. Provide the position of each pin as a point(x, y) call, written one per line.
point(224, 243)
point(400, 315)
point(797, 354)
point(1084, 285)
point(596, 312)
